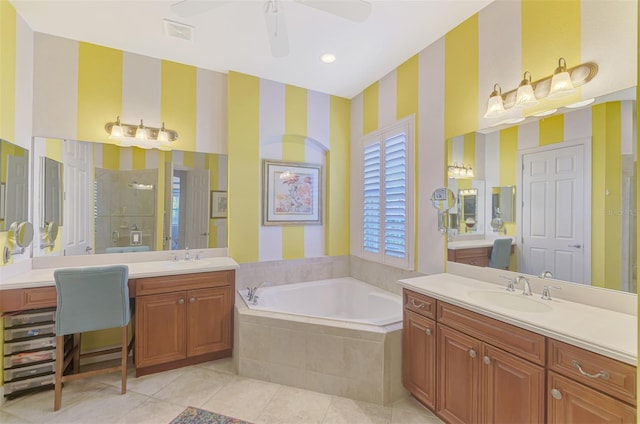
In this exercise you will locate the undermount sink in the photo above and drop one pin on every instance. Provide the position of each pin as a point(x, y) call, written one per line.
point(514, 301)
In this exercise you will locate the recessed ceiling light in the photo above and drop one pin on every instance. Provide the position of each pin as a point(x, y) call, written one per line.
point(328, 58)
point(580, 104)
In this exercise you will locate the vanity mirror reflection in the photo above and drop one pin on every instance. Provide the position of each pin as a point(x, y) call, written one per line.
point(14, 185)
point(578, 221)
point(124, 199)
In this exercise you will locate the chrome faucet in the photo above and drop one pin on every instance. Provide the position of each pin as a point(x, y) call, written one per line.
point(526, 286)
point(546, 274)
point(251, 293)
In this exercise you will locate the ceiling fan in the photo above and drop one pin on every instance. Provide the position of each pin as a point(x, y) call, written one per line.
point(353, 10)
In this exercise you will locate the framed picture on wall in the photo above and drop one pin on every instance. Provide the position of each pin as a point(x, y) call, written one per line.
point(218, 204)
point(292, 193)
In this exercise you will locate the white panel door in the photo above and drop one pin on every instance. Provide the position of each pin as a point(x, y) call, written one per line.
point(17, 191)
point(197, 209)
point(553, 213)
point(78, 198)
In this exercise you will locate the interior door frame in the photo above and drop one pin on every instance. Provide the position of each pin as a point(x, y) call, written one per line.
point(586, 202)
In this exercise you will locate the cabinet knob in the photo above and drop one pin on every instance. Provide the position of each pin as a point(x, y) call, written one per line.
point(181, 301)
point(192, 299)
point(428, 331)
point(472, 353)
point(486, 360)
point(556, 394)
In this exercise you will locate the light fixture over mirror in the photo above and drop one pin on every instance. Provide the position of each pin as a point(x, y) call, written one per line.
point(561, 83)
point(129, 135)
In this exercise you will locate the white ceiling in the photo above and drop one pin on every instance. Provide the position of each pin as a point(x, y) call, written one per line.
point(232, 36)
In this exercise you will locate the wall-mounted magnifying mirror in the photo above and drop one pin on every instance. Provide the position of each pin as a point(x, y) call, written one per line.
point(21, 234)
point(443, 200)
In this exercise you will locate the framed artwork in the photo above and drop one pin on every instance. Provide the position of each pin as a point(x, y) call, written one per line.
point(292, 193)
point(218, 204)
point(2, 195)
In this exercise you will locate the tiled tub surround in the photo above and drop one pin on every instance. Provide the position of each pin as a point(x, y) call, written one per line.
point(350, 359)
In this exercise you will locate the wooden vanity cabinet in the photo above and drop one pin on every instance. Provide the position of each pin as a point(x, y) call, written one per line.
point(419, 347)
point(182, 320)
point(584, 387)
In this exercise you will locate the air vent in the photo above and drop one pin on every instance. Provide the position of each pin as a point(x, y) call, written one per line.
point(178, 30)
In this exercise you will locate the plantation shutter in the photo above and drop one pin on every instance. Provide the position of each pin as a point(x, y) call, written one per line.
point(372, 191)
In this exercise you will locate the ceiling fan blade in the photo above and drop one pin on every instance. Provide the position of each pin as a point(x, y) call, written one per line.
point(189, 8)
point(276, 29)
point(353, 10)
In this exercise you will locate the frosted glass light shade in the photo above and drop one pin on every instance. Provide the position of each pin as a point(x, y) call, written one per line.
point(495, 107)
point(141, 132)
point(561, 85)
point(525, 96)
point(116, 132)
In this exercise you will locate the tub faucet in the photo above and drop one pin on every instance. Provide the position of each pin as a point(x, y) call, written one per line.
point(546, 274)
point(251, 293)
point(526, 286)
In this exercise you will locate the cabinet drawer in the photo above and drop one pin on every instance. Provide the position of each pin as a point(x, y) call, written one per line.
point(27, 332)
point(520, 342)
point(29, 357)
point(476, 252)
point(41, 343)
point(33, 370)
point(419, 303)
point(172, 283)
point(30, 318)
point(28, 384)
point(612, 377)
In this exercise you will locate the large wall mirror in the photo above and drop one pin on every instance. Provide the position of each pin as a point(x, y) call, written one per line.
point(570, 204)
point(102, 198)
point(14, 184)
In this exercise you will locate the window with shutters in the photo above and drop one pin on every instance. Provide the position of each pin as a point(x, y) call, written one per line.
point(387, 202)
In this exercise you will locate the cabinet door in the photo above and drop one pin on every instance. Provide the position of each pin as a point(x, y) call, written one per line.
point(209, 320)
point(160, 329)
point(419, 357)
point(571, 402)
point(512, 388)
point(458, 376)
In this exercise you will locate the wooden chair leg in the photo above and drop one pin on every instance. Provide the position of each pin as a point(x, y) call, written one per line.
point(124, 354)
point(57, 402)
point(77, 346)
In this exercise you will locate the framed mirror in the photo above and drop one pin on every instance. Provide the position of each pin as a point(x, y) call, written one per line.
point(14, 185)
point(593, 213)
point(126, 199)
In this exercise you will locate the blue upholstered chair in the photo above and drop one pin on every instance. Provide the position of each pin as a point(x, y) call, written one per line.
point(90, 299)
point(500, 253)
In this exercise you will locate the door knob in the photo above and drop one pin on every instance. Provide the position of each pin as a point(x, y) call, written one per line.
point(577, 246)
point(204, 234)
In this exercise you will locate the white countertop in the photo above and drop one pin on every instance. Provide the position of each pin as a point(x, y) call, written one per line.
point(44, 277)
point(609, 333)
point(470, 244)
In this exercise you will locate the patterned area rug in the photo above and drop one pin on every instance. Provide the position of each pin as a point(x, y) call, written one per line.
point(193, 415)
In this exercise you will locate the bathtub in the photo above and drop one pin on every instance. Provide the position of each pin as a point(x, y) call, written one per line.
point(341, 299)
point(340, 336)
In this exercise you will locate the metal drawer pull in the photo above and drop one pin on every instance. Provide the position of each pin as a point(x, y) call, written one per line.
point(417, 305)
point(487, 360)
point(602, 374)
point(556, 394)
point(472, 353)
point(428, 331)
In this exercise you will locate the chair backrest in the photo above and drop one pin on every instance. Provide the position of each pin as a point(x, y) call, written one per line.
point(500, 253)
point(92, 298)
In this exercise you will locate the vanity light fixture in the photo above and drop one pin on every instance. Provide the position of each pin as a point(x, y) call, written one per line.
point(140, 135)
point(563, 82)
point(460, 171)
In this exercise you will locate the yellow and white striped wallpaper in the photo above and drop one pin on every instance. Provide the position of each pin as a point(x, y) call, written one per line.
point(80, 86)
point(270, 120)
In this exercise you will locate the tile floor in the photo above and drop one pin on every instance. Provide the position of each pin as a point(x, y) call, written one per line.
point(213, 386)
